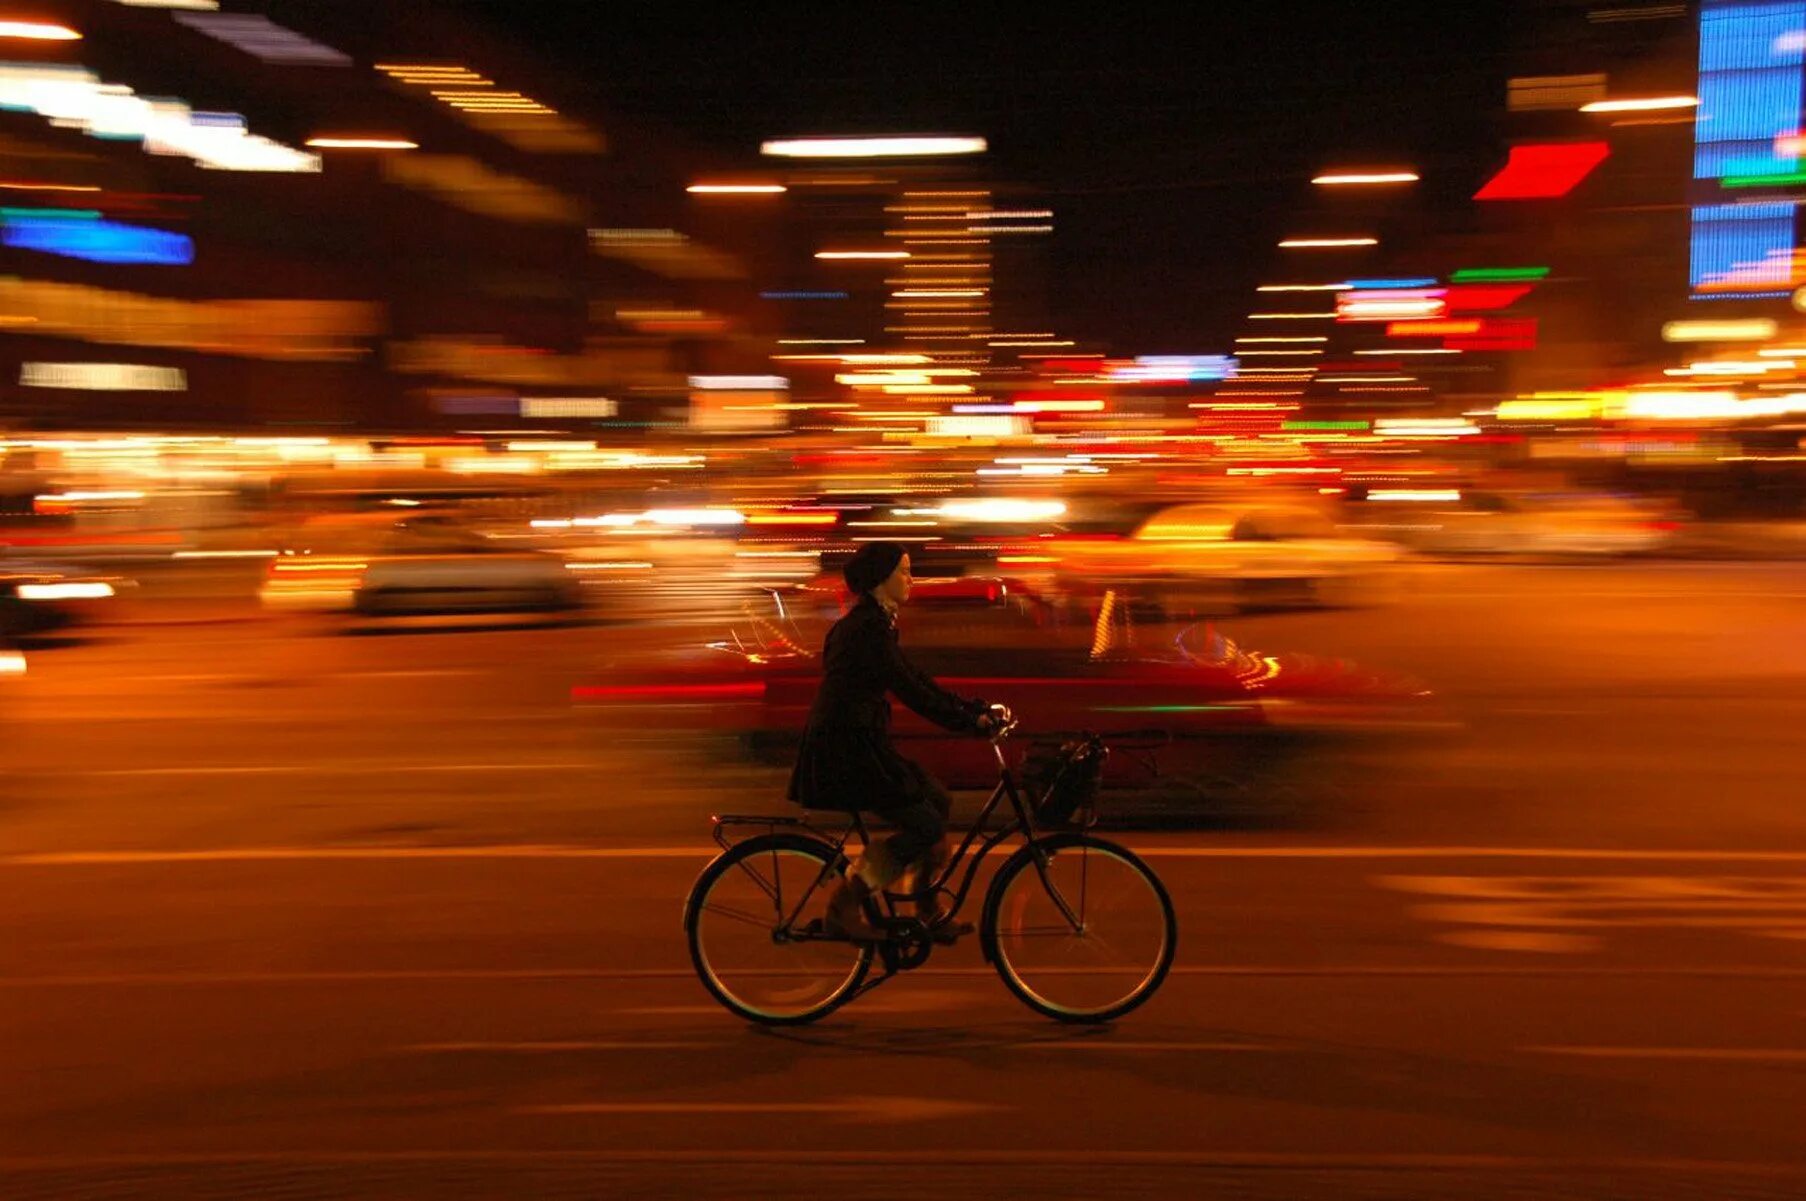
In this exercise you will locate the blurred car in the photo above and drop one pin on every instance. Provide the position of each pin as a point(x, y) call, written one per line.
point(36, 597)
point(1453, 522)
point(1180, 707)
point(1216, 557)
point(385, 564)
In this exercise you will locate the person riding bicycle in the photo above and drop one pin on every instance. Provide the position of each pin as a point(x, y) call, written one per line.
point(847, 761)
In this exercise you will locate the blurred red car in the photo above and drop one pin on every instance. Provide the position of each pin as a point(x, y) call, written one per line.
point(1191, 705)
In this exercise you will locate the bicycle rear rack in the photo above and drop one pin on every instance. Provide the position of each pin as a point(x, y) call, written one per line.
point(722, 823)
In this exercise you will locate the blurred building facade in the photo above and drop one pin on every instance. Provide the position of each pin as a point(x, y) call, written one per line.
point(457, 249)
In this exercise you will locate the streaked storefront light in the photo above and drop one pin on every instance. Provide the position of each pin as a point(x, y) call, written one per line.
point(736, 189)
point(871, 147)
point(336, 143)
point(1641, 104)
point(1336, 178)
point(1325, 243)
point(38, 31)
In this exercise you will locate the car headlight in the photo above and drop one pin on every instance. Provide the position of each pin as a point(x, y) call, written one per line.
point(66, 591)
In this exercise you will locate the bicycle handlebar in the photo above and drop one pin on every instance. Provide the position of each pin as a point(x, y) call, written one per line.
point(1003, 722)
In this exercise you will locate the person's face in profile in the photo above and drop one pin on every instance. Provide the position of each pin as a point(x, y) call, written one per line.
point(895, 588)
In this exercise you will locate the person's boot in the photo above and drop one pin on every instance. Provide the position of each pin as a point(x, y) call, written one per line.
point(845, 917)
point(928, 901)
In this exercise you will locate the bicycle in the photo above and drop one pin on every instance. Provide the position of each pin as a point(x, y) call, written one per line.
point(1090, 944)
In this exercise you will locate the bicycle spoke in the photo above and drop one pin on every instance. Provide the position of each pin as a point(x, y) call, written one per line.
point(748, 934)
point(1082, 930)
point(724, 911)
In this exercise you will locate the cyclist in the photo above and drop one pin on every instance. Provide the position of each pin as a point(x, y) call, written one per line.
point(847, 761)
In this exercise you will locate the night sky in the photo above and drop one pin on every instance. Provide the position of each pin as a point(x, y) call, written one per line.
point(1175, 154)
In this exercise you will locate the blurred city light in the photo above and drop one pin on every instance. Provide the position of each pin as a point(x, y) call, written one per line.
point(1544, 170)
point(871, 147)
point(1755, 329)
point(862, 254)
point(1432, 328)
point(1414, 495)
point(72, 591)
point(1326, 243)
point(77, 97)
point(262, 38)
point(1497, 274)
point(81, 234)
point(341, 143)
point(38, 31)
point(103, 377)
point(996, 510)
point(736, 189)
point(1639, 105)
point(1337, 178)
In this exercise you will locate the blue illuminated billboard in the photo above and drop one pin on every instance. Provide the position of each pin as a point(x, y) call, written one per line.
point(79, 234)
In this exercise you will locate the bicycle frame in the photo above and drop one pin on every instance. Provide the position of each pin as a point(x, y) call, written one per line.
point(1022, 823)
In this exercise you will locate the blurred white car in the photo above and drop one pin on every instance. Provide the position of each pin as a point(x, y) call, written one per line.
point(1502, 523)
point(382, 564)
point(1213, 556)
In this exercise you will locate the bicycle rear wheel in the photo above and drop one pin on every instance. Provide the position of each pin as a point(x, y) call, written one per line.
point(754, 928)
point(1085, 939)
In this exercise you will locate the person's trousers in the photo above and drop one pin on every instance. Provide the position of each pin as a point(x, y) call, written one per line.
point(920, 825)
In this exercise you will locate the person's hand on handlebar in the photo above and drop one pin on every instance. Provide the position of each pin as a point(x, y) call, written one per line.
point(995, 718)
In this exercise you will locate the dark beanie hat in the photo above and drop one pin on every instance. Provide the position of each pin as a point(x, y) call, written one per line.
point(871, 565)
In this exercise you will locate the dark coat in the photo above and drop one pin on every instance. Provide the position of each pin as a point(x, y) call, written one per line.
point(846, 760)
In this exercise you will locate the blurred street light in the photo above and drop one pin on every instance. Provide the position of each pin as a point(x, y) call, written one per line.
point(736, 189)
point(1343, 178)
point(862, 254)
point(1325, 243)
point(363, 144)
point(1757, 329)
point(1641, 104)
point(38, 31)
point(874, 147)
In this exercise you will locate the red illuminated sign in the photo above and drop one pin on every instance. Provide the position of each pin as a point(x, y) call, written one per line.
point(1484, 298)
point(1431, 329)
point(1544, 170)
point(1518, 333)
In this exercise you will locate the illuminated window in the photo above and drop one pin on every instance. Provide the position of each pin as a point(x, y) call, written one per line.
point(1741, 247)
point(262, 38)
point(1752, 61)
point(1750, 72)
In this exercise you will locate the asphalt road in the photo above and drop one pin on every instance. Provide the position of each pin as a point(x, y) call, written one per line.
point(291, 911)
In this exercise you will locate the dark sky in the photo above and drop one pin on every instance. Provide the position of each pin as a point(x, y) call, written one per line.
point(1174, 152)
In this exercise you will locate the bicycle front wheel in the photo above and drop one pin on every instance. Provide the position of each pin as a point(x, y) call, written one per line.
point(1080, 929)
point(754, 926)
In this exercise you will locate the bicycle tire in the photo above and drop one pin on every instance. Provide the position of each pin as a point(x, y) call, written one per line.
point(841, 988)
point(1003, 947)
